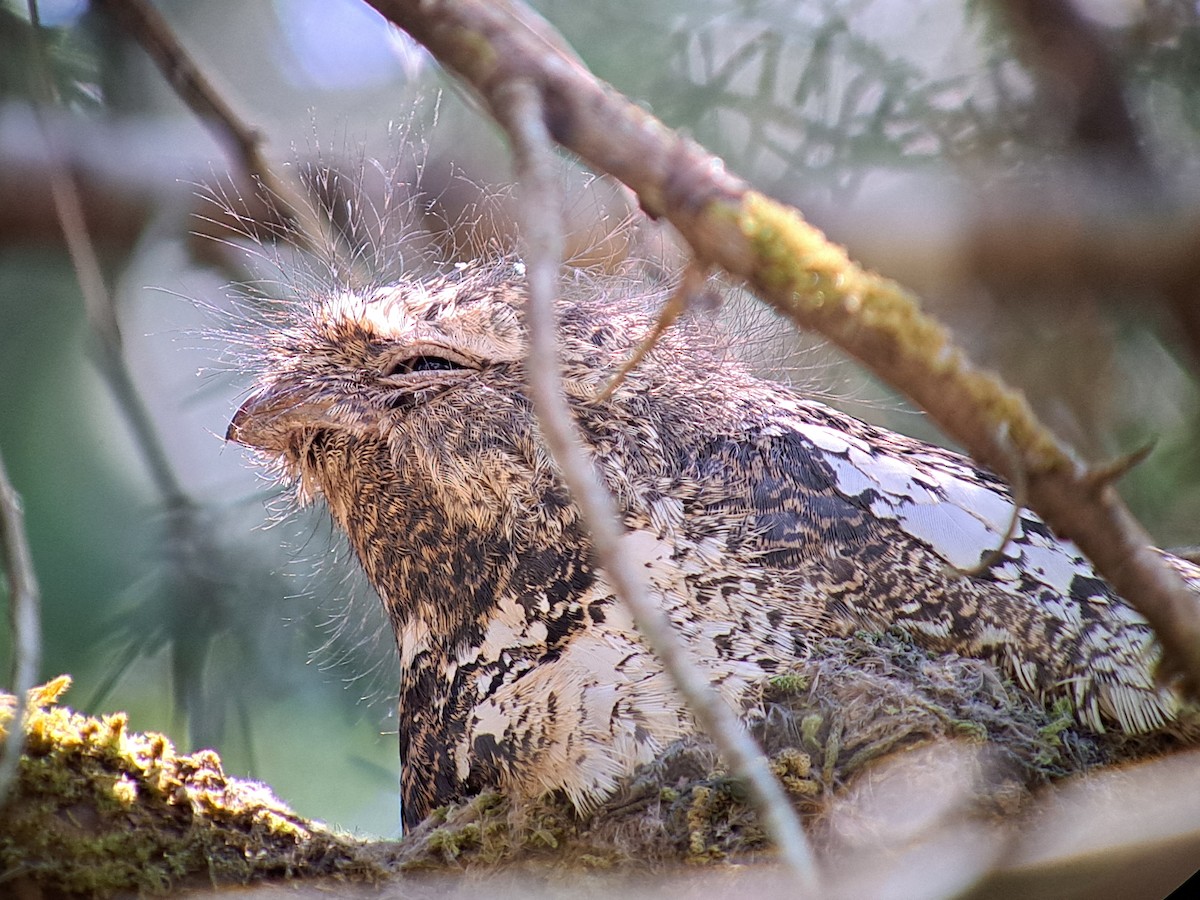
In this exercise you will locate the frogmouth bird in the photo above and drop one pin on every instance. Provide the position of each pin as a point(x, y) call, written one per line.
point(760, 518)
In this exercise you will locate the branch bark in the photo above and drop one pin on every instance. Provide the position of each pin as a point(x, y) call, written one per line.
point(797, 271)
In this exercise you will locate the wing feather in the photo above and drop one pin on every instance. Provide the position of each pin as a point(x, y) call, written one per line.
point(885, 525)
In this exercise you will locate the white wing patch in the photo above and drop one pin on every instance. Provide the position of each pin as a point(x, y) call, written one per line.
point(942, 502)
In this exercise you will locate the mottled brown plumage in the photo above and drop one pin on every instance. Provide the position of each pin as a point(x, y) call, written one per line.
point(762, 519)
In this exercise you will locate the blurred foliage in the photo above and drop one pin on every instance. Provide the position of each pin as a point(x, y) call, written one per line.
point(882, 120)
point(72, 52)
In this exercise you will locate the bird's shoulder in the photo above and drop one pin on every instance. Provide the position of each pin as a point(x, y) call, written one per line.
point(809, 479)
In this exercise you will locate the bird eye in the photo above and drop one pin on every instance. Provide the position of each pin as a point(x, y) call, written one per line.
point(422, 364)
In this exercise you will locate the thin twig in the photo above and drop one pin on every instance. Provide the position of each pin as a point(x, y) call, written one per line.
point(24, 613)
point(1020, 499)
point(799, 272)
point(690, 283)
point(521, 113)
point(1100, 476)
point(98, 302)
point(242, 141)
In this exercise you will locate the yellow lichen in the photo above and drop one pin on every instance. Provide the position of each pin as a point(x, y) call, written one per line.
point(98, 809)
point(793, 768)
point(101, 809)
point(699, 815)
point(814, 281)
point(797, 258)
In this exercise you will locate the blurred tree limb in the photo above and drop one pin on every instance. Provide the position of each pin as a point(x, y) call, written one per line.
point(24, 613)
point(244, 143)
point(1082, 87)
point(795, 269)
point(98, 302)
point(1080, 81)
point(190, 547)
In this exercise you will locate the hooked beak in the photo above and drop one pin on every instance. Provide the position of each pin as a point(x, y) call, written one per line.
point(249, 423)
point(276, 418)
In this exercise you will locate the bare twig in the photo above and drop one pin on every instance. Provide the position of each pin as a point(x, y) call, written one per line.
point(1100, 476)
point(519, 109)
point(795, 269)
point(1019, 500)
point(242, 141)
point(690, 283)
point(24, 612)
point(101, 311)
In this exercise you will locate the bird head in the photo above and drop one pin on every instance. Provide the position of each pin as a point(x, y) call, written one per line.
point(434, 371)
point(357, 366)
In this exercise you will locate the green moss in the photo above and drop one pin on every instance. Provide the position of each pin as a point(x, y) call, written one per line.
point(971, 730)
point(795, 258)
point(793, 768)
point(811, 726)
point(487, 832)
point(97, 809)
point(788, 684)
point(1053, 733)
point(704, 809)
point(450, 843)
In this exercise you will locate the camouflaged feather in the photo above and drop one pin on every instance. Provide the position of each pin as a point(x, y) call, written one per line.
point(762, 519)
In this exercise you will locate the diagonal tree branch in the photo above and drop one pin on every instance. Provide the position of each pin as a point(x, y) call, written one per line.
point(795, 269)
point(97, 300)
point(520, 112)
point(243, 142)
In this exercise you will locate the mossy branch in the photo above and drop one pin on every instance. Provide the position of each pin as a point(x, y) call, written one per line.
point(799, 272)
point(100, 810)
